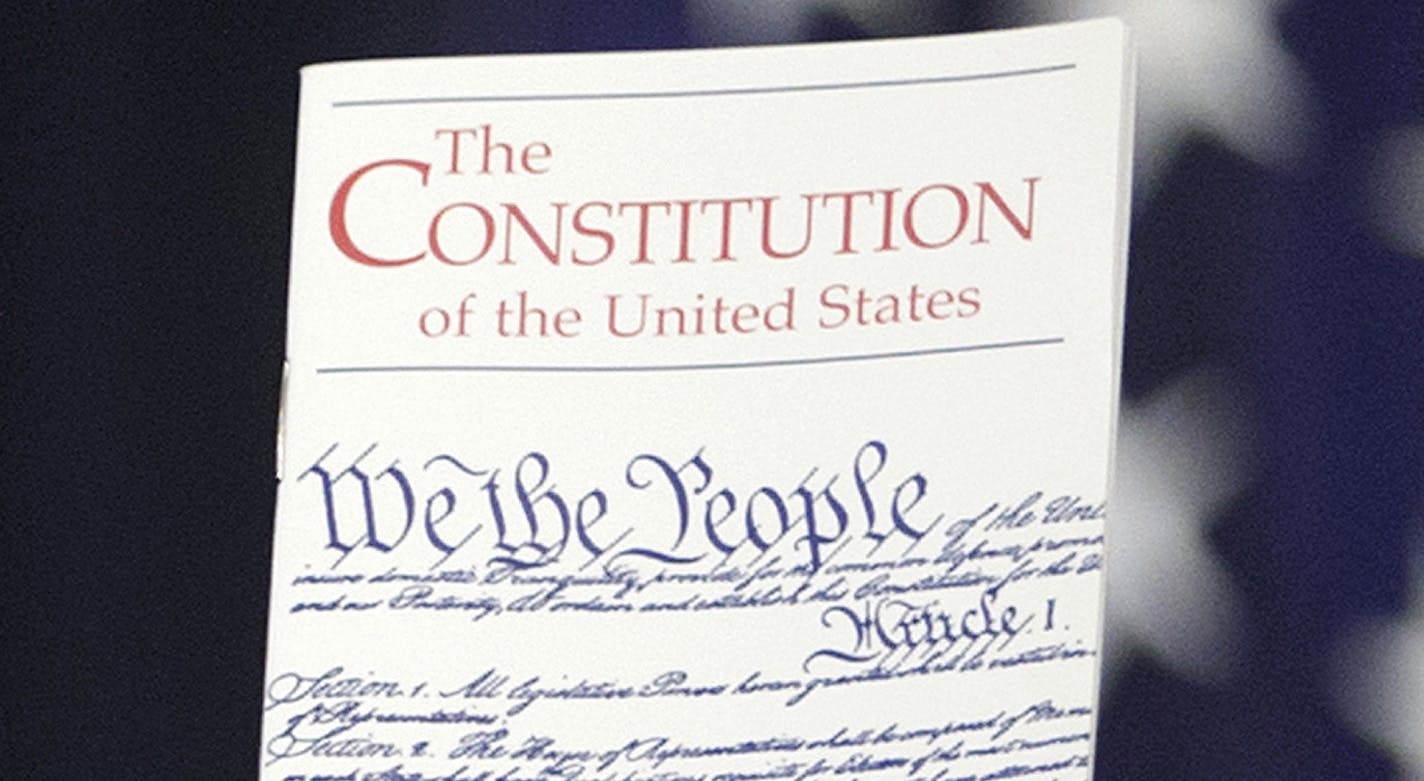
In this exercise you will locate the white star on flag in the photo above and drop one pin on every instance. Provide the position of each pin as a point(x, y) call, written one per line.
point(777, 21)
point(1380, 680)
point(1182, 455)
point(1397, 201)
point(1213, 66)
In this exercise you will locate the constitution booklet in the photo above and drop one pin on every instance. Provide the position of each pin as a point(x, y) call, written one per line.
point(730, 414)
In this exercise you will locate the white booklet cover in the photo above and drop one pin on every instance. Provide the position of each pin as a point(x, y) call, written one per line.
point(735, 414)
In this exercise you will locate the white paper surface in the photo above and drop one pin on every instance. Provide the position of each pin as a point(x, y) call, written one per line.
point(709, 415)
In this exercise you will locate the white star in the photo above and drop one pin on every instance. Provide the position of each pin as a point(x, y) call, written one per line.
point(1397, 201)
point(726, 22)
point(1181, 456)
point(745, 22)
point(722, 22)
point(1214, 66)
point(1380, 681)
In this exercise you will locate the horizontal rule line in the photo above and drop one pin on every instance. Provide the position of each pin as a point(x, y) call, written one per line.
point(415, 101)
point(691, 367)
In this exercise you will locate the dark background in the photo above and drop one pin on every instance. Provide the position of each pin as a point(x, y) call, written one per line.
point(147, 169)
